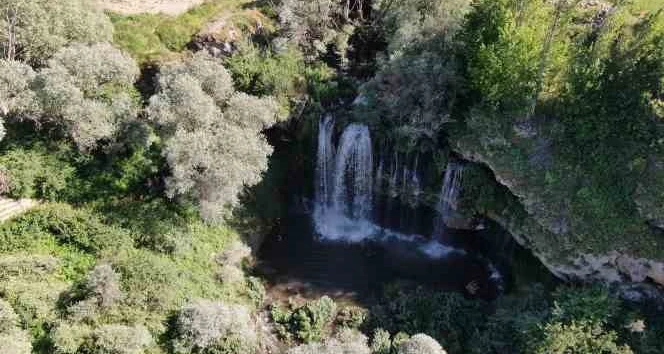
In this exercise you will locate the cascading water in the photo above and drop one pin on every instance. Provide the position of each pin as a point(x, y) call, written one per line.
point(345, 195)
point(325, 161)
point(449, 197)
point(353, 174)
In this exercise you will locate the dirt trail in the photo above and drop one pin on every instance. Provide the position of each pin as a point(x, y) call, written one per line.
point(169, 7)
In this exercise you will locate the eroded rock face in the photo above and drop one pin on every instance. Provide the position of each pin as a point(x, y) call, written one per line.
point(547, 227)
point(611, 268)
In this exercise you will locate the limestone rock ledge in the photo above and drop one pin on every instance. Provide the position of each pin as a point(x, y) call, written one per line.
point(554, 244)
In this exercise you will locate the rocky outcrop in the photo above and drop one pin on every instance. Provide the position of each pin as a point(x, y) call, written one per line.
point(545, 221)
point(220, 37)
point(10, 208)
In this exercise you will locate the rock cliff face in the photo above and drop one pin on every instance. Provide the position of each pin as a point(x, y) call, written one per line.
point(549, 225)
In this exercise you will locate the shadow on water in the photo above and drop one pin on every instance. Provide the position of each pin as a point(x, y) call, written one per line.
point(297, 263)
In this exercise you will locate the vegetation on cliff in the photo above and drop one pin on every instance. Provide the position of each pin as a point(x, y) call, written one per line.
point(155, 165)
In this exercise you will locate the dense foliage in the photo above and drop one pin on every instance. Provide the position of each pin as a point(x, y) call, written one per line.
point(211, 133)
point(148, 160)
point(33, 30)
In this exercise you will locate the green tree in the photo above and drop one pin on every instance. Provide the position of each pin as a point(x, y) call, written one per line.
point(33, 30)
point(212, 135)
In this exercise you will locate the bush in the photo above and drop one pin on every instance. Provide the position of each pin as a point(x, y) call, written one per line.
point(448, 317)
point(67, 339)
point(308, 323)
point(8, 318)
point(97, 69)
point(151, 281)
point(312, 24)
point(420, 344)
point(213, 150)
point(103, 284)
point(35, 174)
point(15, 94)
point(118, 339)
point(88, 92)
point(15, 342)
point(593, 304)
point(346, 341)
point(352, 317)
point(214, 327)
point(31, 266)
point(256, 291)
point(381, 342)
point(44, 26)
point(264, 73)
point(229, 274)
point(12, 339)
point(75, 227)
point(234, 254)
point(577, 337)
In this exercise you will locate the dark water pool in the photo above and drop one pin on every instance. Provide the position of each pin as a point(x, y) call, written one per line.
point(298, 258)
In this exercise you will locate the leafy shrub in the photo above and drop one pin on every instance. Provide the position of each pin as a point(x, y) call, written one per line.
point(256, 291)
point(15, 342)
point(15, 94)
point(27, 266)
point(67, 339)
point(8, 318)
point(214, 327)
point(346, 341)
point(12, 339)
point(213, 150)
point(448, 317)
point(151, 281)
point(420, 344)
point(399, 338)
point(409, 23)
point(118, 339)
point(44, 26)
point(34, 301)
point(88, 92)
point(593, 304)
point(581, 337)
point(308, 323)
point(229, 274)
point(35, 174)
point(381, 342)
point(504, 331)
point(103, 285)
point(76, 227)
point(352, 317)
point(264, 73)
point(97, 69)
point(234, 254)
point(313, 24)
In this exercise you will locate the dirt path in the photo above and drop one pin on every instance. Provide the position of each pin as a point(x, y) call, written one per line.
point(169, 7)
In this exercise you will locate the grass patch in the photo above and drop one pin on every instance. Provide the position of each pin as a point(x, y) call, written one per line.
point(158, 37)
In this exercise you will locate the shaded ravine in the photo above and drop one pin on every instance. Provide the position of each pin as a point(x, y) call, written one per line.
point(336, 246)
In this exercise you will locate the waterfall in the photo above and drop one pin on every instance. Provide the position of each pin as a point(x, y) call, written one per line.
point(449, 197)
point(346, 181)
point(353, 174)
point(344, 195)
point(415, 179)
point(324, 161)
